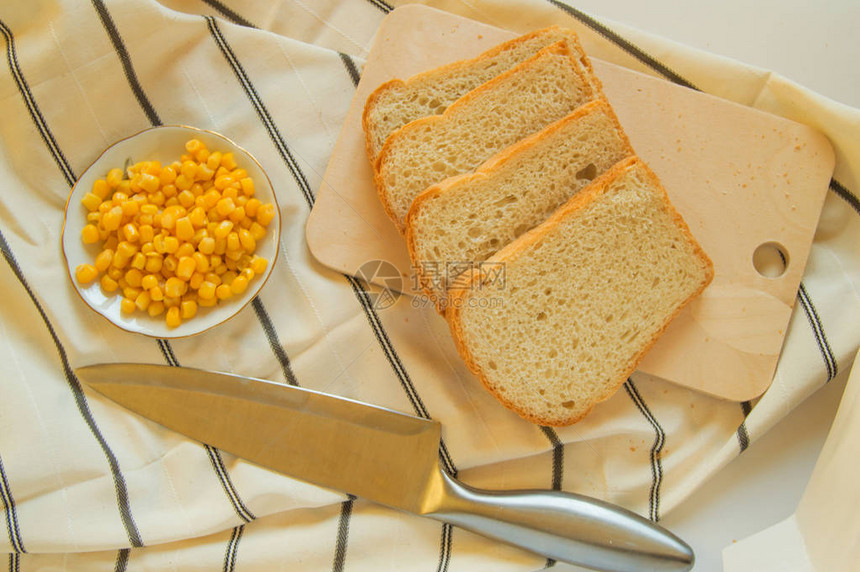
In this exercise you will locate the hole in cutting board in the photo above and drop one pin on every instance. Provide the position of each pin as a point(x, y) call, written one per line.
point(770, 259)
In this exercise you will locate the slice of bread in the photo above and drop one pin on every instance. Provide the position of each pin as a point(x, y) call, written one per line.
point(584, 296)
point(395, 103)
point(466, 219)
point(497, 114)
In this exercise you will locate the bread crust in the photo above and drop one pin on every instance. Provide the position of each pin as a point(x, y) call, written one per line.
point(382, 190)
point(523, 243)
point(487, 169)
point(370, 127)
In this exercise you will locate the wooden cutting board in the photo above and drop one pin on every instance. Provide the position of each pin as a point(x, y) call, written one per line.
point(749, 184)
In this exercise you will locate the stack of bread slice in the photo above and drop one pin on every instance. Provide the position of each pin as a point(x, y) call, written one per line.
point(552, 250)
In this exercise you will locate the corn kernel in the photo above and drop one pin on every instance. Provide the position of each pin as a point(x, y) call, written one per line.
point(169, 263)
point(207, 290)
point(155, 308)
point(86, 273)
point(101, 188)
point(223, 292)
point(134, 277)
point(171, 244)
point(173, 319)
point(214, 278)
point(147, 233)
point(185, 249)
point(154, 263)
point(223, 229)
point(186, 199)
point(156, 294)
point(239, 284)
point(188, 309)
point(142, 301)
point(90, 234)
point(138, 261)
point(130, 207)
point(113, 178)
point(131, 292)
point(127, 306)
point(204, 173)
point(247, 241)
point(108, 283)
point(197, 278)
point(91, 202)
point(206, 245)
point(184, 228)
point(228, 161)
point(251, 207)
point(259, 264)
point(174, 287)
point(233, 243)
point(237, 215)
point(149, 282)
point(247, 184)
point(126, 249)
point(185, 268)
point(248, 273)
point(225, 206)
point(149, 183)
point(265, 214)
point(197, 216)
point(257, 231)
point(131, 232)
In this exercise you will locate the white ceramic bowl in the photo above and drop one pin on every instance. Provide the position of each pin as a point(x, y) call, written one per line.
point(164, 144)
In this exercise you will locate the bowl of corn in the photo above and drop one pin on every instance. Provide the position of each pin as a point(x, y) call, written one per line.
point(171, 231)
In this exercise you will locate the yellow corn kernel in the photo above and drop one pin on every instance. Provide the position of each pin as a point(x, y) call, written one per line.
point(233, 243)
point(169, 264)
point(220, 245)
point(237, 215)
point(239, 284)
point(112, 219)
point(214, 278)
point(185, 249)
point(156, 294)
point(228, 277)
point(90, 234)
point(174, 287)
point(206, 245)
point(248, 273)
point(169, 191)
point(149, 282)
point(146, 233)
point(197, 216)
point(257, 231)
point(149, 183)
point(131, 292)
point(211, 198)
point(126, 249)
point(131, 233)
point(251, 207)
point(119, 261)
point(134, 277)
point(247, 241)
point(247, 184)
point(113, 178)
point(259, 264)
point(154, 263)
point(108, 283)
point(188, 309)
point(101, 188)
point(214, 160)
point(86, 273)
point(184, 228)
point(91, 202)
point(223, 292)
point(127, 306)
point(115, 273)
point(183, 183)
point(156, 308)
point(194, 146)
point(228, 161)
point(152, 167)
point(206, 291)
point(142, 301)
point(94, 217)
point(138, 261)
point(204, 173)
point(223, 229)
point(130, 207)
point(173, 318)
point(186, 199)
point(265, 214)
point(196, 280)
point(225, 206)
point(185, 268)
point(207, 302)
point(171, 244)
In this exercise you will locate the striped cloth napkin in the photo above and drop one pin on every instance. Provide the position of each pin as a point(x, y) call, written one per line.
point(87, 486)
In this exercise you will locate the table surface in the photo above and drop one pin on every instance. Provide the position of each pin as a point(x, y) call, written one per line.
point(815, 45)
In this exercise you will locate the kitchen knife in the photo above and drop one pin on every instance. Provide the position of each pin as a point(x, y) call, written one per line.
point(382, 456)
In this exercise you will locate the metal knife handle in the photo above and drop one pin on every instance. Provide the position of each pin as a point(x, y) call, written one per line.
point(565, 527)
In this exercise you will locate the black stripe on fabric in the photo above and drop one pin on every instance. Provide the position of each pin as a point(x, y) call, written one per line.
point(343, 533)
point(11, 513)
point(125, 60)
point(14, 562)
point(165, 347)
point(301, 180)
point(227, 483)
point(557, 457)
point(261, 110)
point(385, 7)
point(33, 109)
point(445, 548)
point(274, 341)
point(233, 548)
point(656, 450)
point(351, 68)
point(818, 331)
point(743, 434)
point(845, 194)
point(624, 44)
point(121, 563)
point(228, 13)
point(81, 403)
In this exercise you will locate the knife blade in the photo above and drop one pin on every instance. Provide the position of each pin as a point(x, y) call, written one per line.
point(383, 456)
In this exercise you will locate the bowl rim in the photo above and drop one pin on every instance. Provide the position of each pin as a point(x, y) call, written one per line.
point(259, 288)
